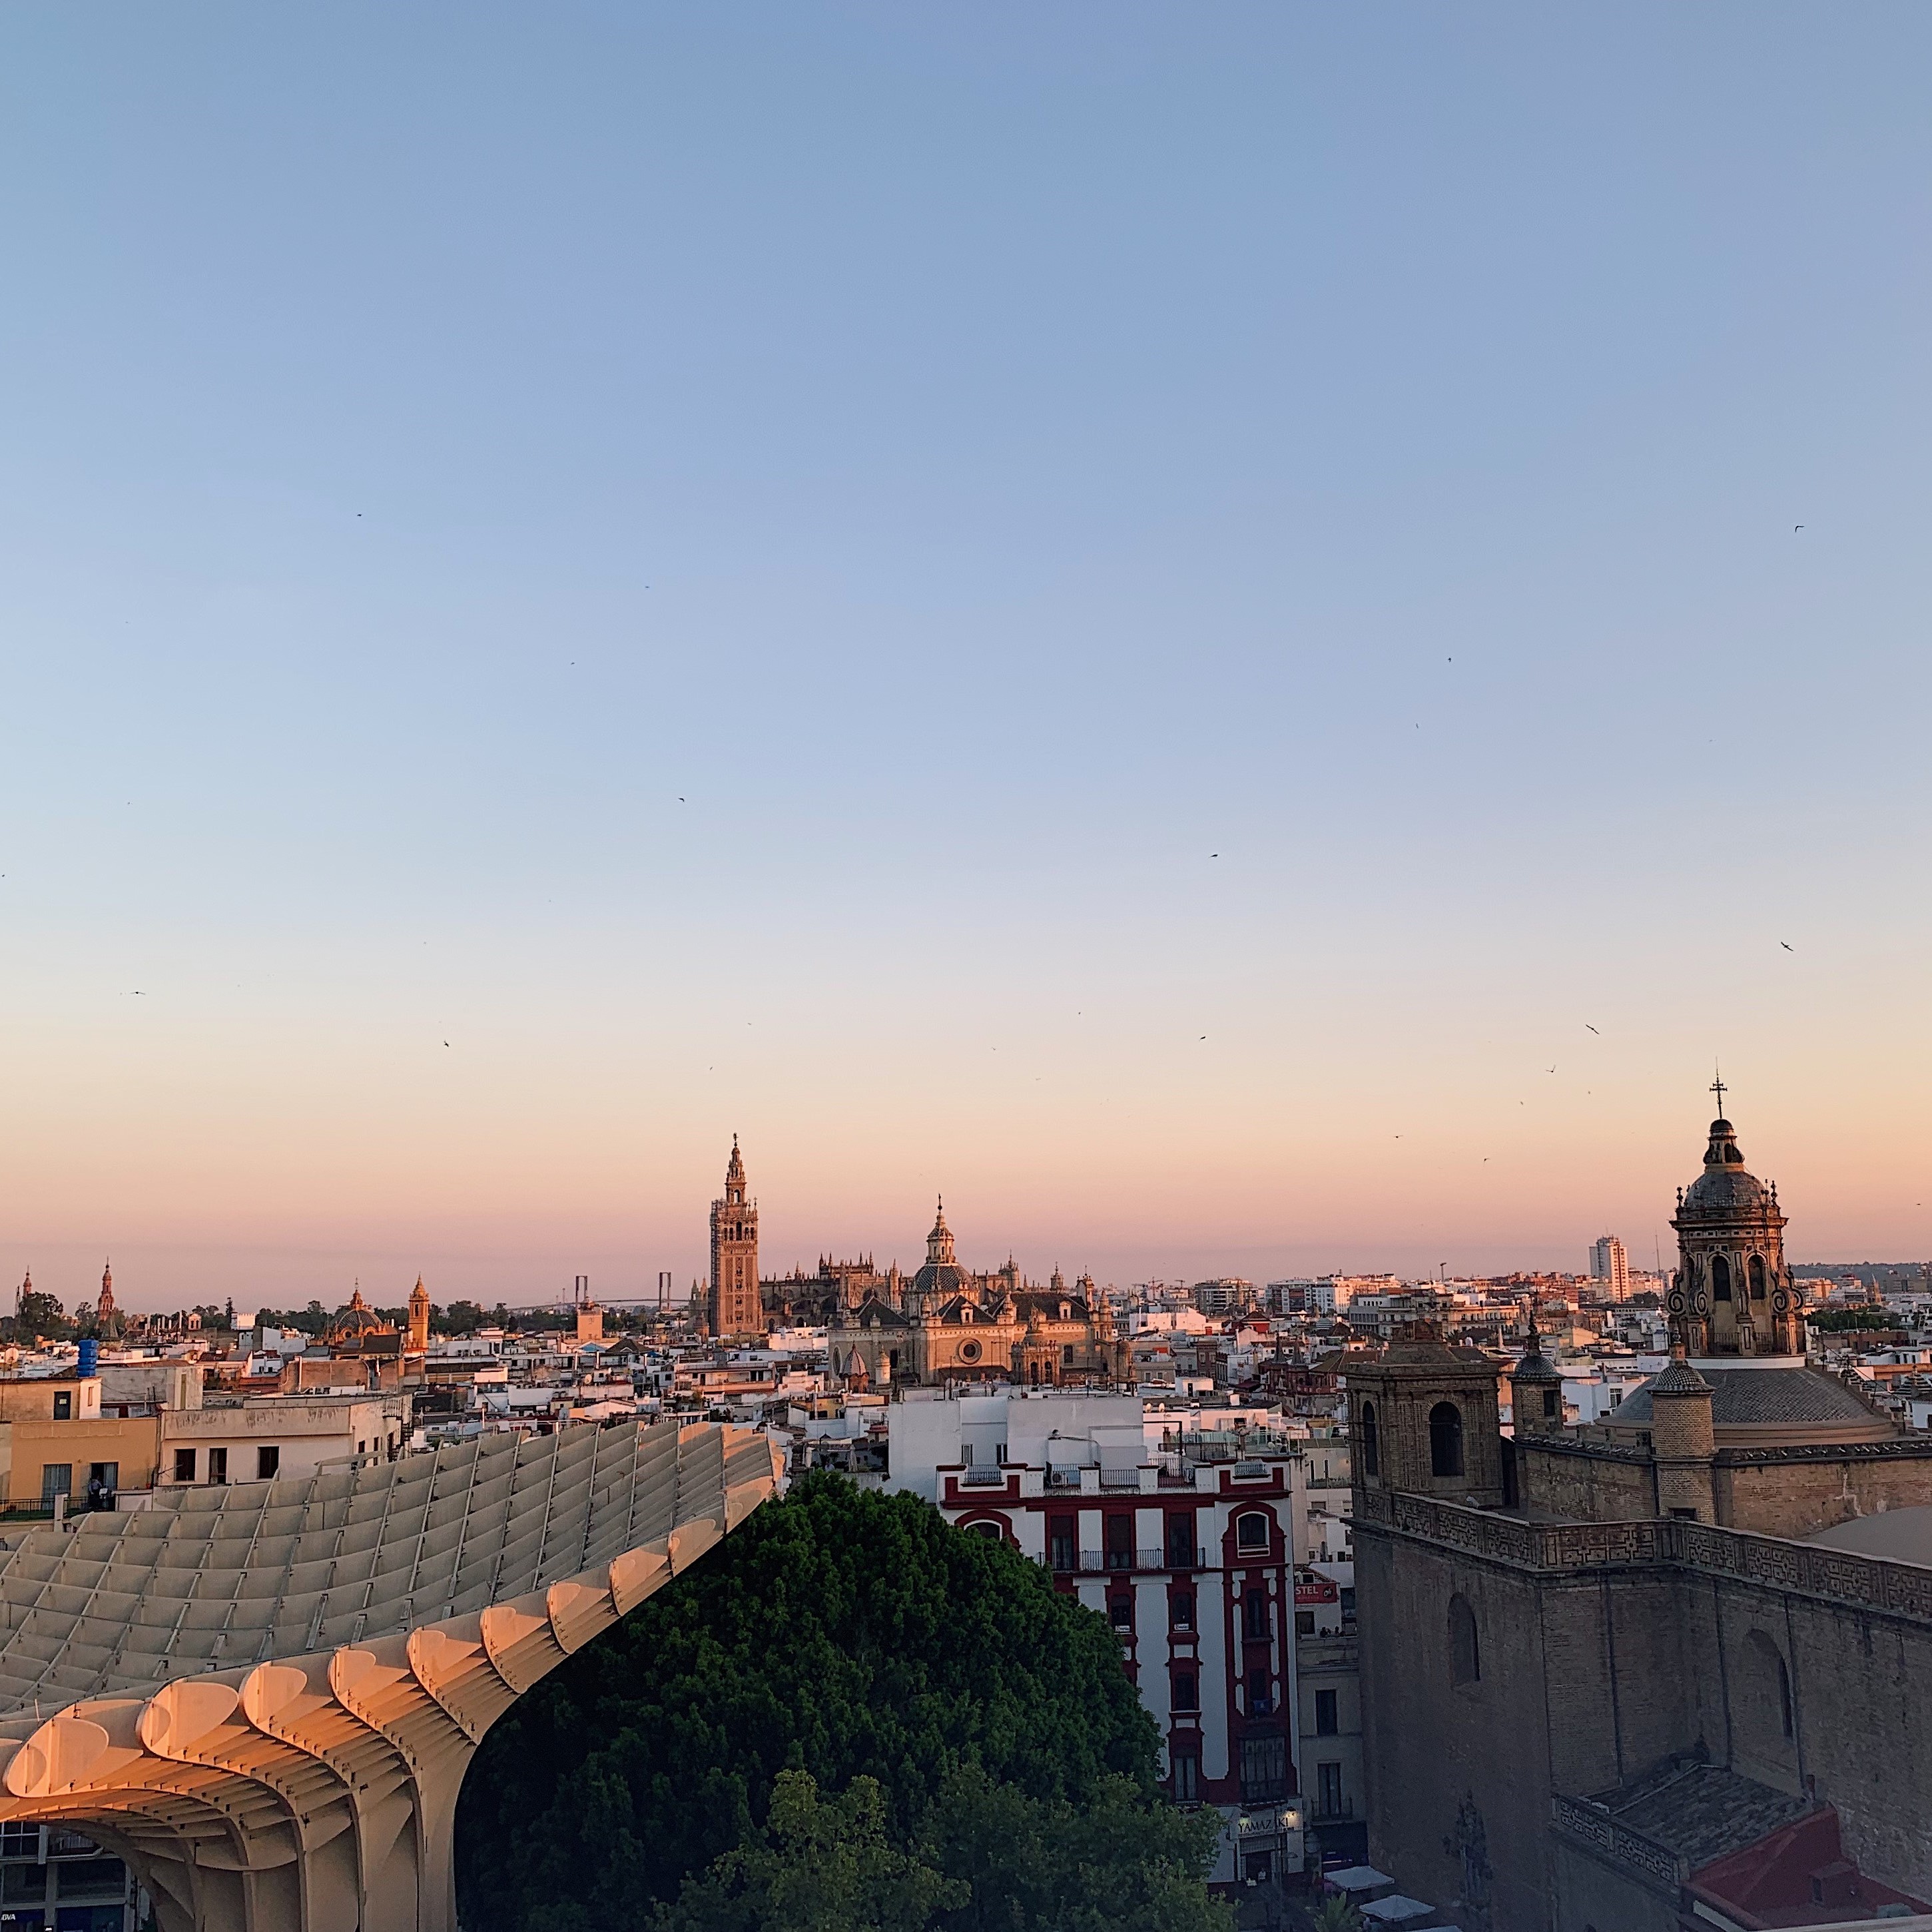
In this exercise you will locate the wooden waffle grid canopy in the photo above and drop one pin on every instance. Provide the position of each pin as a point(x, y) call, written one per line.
point(264, 1696)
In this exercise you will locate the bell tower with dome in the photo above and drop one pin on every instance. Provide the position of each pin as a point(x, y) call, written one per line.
point(1733, 1294)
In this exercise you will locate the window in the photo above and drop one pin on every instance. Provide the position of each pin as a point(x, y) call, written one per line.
point(1465, 1654)
point(56, 1480)
point(102, 1480)
point(268, 1463)
point(1325, 1725)
point(1120, 1612)
point(63, 1404)
point(1347, 1602)
point(1757, 1277)
point(1720, 1278)
point(1304, 1623)
point(1187, 1776)
point(1180, 1542)
point(1062, 1546)
point(1259, 1701)
point(1251, 1531)
point(1372, 1460)
point(19, 1841)
point(990, 1531)
point(1445, 1440)
point(1119, 1542)
point(184, 1460)
point(217, 1465)
point(1181, 1610)
point(1066, 1355)
point(1255, 1615)
point(1328, 1791)
point(1552, 1402)
point(1784, 1697)
point(1186, 1691)
point(1263, 1769)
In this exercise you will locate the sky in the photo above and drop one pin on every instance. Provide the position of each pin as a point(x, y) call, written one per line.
point(1188, 626)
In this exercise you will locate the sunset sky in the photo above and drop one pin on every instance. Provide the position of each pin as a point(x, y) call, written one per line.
point(1141, 615)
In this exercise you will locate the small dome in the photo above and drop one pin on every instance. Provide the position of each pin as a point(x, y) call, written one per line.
point(1536, 1367)
point(1724, 1188)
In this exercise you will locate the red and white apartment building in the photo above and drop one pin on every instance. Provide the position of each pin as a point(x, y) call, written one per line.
point(1186, 1544)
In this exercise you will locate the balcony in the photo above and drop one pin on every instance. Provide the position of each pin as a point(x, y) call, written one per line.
point(1120, 1562)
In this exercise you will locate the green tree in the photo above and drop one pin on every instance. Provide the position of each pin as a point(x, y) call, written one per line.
point(1850, 1320)
point(42, 1314)
point(815, 1867)
point(1126, 1861)
point(840, 1632)
point(1337, 1914)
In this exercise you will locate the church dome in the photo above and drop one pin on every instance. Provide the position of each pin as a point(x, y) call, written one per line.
point(1723, 1187)
point(1536, 1367)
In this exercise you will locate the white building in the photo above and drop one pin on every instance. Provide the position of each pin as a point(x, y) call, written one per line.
point(266, 1436)
point(1610, 1266)
point(1189, 1554)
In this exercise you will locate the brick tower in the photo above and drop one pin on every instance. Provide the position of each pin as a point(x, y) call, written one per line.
point(736, 1308)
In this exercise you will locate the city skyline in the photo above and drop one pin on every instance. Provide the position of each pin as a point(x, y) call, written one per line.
point(1153, 629)
point(626, 1280)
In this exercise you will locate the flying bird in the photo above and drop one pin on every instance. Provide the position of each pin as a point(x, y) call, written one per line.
point(1593, 1029)
point(1795, 528)
point(445, 1042)
point(1787, 945)
point(1549, 1070)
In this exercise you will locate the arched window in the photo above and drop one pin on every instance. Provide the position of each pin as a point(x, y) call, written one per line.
point(1251, 1531)
point(993, 1532)
point(1720, 1278)
point(1757, 1277)
point(1765, 1717)
point(1372, 1447)
point(1466, 1649)
point(1445, 1440)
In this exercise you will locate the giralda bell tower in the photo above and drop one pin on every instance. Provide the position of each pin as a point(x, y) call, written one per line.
point(736, 1307)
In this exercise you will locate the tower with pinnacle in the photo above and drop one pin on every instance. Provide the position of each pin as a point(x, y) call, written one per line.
point(735, 1307)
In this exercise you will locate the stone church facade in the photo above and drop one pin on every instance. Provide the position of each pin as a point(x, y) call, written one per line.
point(943, 1323)
point(1607, 1673)
point(952, 1325)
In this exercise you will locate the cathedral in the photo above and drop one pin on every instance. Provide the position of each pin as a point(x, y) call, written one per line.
point(952, 1325)
point(1660, 1672)
point(943, 1323)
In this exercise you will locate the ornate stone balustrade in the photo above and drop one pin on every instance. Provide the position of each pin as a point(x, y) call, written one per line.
point(1596, 1828)
point(1834, 1576)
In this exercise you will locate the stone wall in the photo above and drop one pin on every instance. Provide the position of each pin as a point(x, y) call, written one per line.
point(1557, 1478)
point(1607, 1648)
point(1797, 1493)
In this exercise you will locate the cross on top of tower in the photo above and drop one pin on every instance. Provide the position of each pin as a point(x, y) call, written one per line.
point(1718, 1088)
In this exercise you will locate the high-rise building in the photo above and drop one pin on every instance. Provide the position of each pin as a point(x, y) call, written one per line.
point(735, 1306)
point(1610, 1265)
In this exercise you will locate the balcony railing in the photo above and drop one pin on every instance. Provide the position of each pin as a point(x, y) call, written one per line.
point(1121, 1562)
